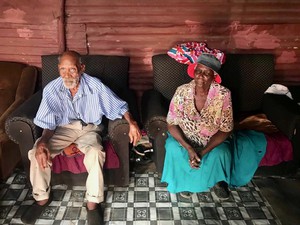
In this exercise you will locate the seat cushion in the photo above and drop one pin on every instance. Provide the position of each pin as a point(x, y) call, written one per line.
point(71, 159)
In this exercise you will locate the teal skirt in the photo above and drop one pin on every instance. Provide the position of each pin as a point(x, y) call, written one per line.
point(234, 161)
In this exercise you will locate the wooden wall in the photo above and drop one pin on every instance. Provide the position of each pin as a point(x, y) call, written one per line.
point(142, 28)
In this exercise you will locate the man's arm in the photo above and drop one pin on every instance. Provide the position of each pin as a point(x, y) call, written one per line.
point(42, 153)
point(134, 130)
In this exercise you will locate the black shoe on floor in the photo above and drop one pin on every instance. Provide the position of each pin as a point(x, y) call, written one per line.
point(33, 212)
point(221, 190)
point(94, 217)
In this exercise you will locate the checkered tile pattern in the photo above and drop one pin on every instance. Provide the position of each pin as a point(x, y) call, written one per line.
point(144, 202)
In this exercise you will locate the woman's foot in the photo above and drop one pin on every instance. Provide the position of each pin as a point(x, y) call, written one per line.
point(221, 190)
point(186, 194)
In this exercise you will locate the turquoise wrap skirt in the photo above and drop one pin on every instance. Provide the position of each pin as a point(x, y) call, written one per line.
point(234, 161)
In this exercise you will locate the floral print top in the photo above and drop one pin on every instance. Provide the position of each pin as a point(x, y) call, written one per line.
point(199, 127)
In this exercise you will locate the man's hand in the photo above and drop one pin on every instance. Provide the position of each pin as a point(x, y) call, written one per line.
point(134, 133)
point(134, 130)
point(42, 155)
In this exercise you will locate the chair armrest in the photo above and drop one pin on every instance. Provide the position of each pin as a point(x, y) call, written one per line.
point(154, 112)
point(118, 127)
point(118, 134)
point(283, 112)
point(19, 125)
point(9, 110)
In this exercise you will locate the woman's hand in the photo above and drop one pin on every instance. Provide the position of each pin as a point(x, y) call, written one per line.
point(194, 159)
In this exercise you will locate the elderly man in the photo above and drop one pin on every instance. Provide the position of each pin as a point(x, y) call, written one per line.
point(70, 112)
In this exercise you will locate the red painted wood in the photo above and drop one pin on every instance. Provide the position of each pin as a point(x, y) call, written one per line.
point(141, 29)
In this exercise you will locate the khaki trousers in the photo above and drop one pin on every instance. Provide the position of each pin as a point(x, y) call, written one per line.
point(89, 142)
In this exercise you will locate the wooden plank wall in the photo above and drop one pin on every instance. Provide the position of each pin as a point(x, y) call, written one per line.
point(143, 28)
point(29, 29)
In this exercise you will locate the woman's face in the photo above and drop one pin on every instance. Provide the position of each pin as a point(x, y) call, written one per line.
point(70, 71)
point(203, 76)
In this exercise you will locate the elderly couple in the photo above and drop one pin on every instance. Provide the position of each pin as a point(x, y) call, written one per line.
point(200, 122)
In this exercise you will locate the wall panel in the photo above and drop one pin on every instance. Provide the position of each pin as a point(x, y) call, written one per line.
point(141, 29)
point(29, 29)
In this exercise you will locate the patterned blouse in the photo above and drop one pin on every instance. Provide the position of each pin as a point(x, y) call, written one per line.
point(199, 127)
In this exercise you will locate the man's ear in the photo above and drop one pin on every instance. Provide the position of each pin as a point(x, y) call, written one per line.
point(82, 68)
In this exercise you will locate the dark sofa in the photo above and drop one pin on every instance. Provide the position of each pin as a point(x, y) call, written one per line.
point(113, 71)
point(247, 76)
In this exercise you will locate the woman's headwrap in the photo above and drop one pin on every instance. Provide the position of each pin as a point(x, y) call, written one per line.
point(192, 53)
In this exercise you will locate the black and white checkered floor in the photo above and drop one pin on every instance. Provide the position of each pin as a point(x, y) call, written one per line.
point(144, 202)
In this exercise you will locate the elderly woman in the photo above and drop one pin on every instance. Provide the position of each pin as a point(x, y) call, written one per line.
point(200, 153)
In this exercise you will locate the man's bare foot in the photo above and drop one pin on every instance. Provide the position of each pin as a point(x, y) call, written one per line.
point(91, 205)
point(42, 202)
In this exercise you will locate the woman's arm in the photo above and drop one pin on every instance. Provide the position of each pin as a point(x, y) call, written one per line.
point(177, 133)
point(214, 141)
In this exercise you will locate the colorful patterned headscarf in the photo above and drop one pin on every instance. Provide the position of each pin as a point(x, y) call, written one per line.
point(189, 52)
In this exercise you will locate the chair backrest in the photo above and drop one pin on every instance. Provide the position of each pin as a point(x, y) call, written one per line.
point(10, 74)
point(246, 75)
point(112, 70)
point(168, 74)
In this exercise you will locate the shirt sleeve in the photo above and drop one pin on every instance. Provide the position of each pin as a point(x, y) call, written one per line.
point(175, 112)
point(46, 117)
point(227, 115)
point(112, 106)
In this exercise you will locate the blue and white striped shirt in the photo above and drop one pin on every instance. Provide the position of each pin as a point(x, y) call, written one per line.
point(90, 103)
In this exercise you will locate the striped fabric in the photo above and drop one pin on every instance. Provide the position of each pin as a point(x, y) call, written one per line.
point(92, 101)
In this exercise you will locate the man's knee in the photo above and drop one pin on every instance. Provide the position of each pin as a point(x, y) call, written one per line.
point(31, 154)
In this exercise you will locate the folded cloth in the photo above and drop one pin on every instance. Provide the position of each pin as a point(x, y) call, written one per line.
point(72, 159)
point(71, 150)
point(188, 52)
point(280, 90)
point(279, 149)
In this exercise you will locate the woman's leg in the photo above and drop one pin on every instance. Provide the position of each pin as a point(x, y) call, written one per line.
point(215, 166)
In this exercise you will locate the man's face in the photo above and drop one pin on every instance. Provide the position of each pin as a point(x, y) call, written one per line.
point(70, 71)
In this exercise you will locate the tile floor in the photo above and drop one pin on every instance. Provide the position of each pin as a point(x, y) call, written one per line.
point(144, 202)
